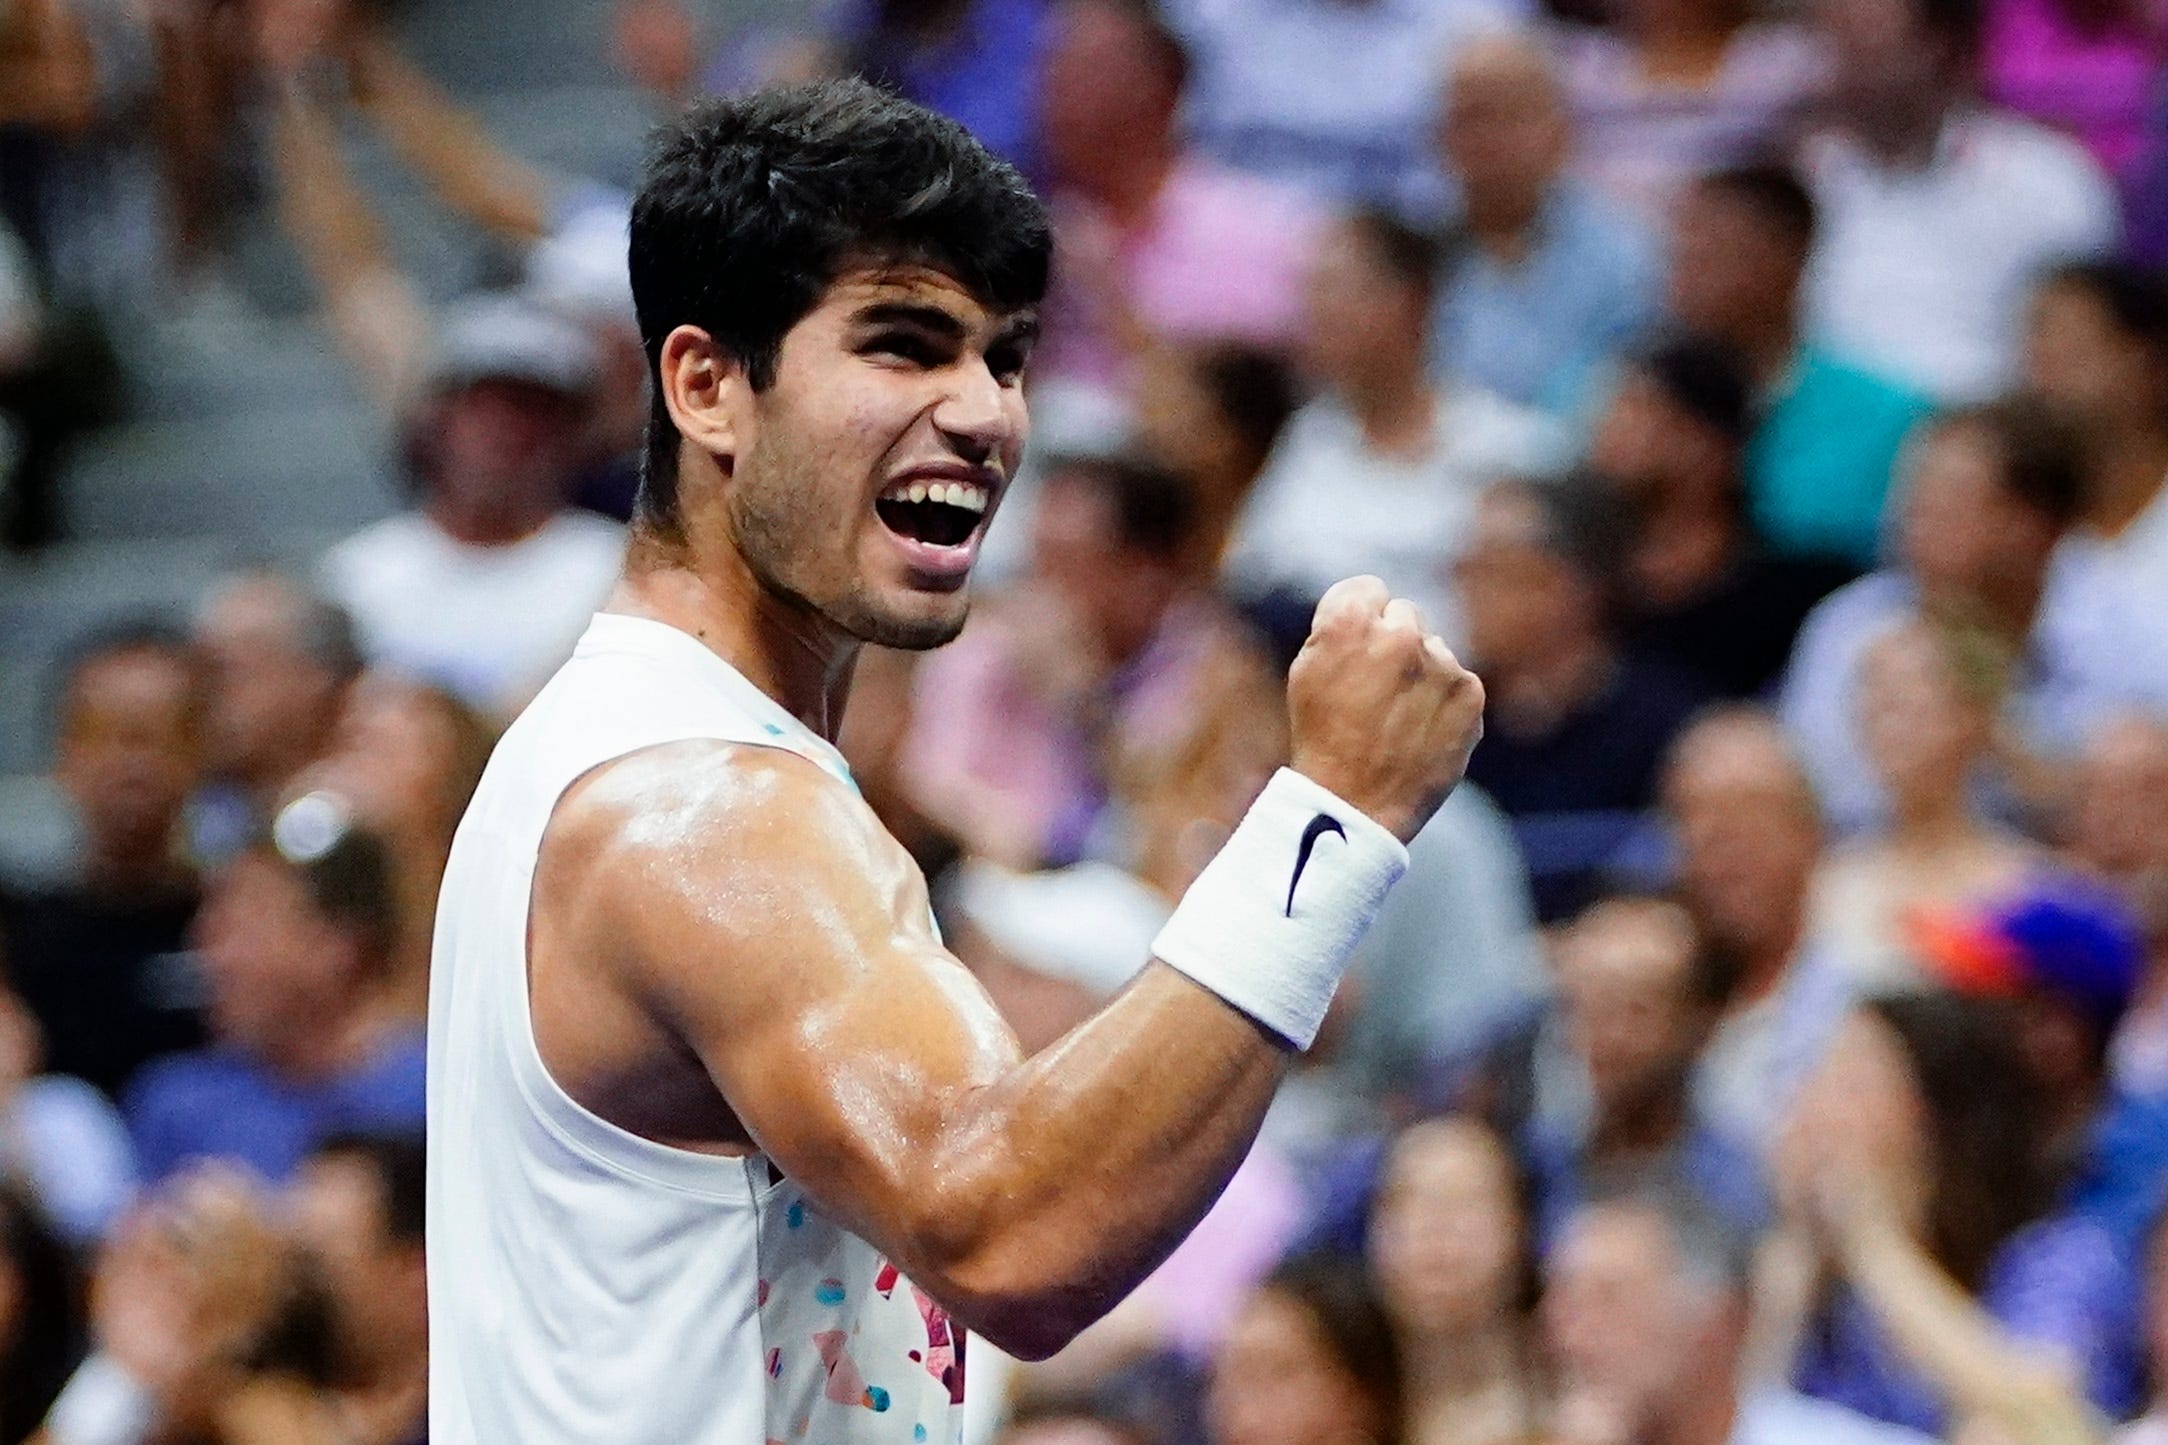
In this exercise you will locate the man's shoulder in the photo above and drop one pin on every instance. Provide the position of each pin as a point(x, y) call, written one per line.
point(696, 804)
point(1877, 600)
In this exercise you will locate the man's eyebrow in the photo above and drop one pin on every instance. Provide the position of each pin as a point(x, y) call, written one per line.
point(911, 313)
point(1019, 330)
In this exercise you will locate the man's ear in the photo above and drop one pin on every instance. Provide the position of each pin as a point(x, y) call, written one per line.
point(703, 387)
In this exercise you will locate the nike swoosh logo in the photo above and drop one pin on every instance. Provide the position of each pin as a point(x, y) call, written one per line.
point(1319, 826)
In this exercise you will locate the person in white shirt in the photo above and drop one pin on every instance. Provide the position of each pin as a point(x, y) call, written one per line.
point(485, 584)
point(1382, 471)
point(1937, 212)
point(1645, 1315)
point(2097, 352)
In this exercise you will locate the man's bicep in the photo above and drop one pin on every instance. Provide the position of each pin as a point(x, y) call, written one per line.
point(798, 962)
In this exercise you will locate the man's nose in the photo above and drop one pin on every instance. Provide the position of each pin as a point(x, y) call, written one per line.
point(976, 418)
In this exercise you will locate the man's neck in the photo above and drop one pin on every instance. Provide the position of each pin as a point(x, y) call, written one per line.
point(1904, 133)
point(1689, 54)
point(1545, 689)
point(2128, 468)
point(1505, 226)
point(1765, 963)
point(1647, 1123)
point(1687, 545)
point(1451, 1367)
point(1128, 186)
point(500, 522)
point(2006, 613)
point(1396, 408)
point(1769, 340)
point(798, 659)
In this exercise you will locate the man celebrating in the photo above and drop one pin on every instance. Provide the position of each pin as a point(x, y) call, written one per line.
point(724, 1146)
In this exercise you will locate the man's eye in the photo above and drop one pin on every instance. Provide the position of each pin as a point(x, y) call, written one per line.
point(904, 346)
point(1006, 363)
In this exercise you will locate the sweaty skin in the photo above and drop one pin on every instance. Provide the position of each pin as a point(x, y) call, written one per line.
point(727, 951)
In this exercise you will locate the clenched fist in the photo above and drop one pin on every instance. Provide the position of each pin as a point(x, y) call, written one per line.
point(1382, 712)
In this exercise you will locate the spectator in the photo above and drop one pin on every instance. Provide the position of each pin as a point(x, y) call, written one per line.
point(358, 1210)
point(1575, 733)
point(1452, 1248)
point(40, 1319)
point(975, 61)
point(68, 1156)
point(2090, 70)
point(1548, 280)
point(1381, 472)
point(1702, 597)
point(1645, 1322)
point(1927, 714)
point(1921, 1151)
point(1154, 243)
point(2097, 353)
point(1748, 839)
point(408, 755)
point(1827, 431)
point(297, 940)
point(2067, 955)
point(1310, 1361)
point(485, 585)
point(1640, 991)
point(210, 1323)
point(280, 660)
point(2119, 832)
point(1212, 415)
point(101, 957)
point(1332, 98)
point(1912, 172)
point(1989, 493)
point(1669, 89)
point(1101, 647)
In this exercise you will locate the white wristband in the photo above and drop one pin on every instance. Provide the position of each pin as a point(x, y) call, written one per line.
point(1270, 924)
point(102, 1405)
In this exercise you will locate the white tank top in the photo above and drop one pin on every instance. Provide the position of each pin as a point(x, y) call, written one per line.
point(587, 1285)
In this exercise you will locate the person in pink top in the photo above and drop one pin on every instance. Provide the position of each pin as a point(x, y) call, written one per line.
point(1152, 242)
point(1678, 87)
point(2088, 67)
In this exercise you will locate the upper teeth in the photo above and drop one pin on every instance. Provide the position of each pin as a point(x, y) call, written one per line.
point(969, 495)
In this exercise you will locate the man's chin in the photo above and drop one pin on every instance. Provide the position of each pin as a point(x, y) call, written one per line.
point(911, 629)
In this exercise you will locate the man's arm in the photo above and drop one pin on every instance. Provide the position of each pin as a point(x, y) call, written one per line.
point(467, 169)
point(369, 304)
point(776, 929)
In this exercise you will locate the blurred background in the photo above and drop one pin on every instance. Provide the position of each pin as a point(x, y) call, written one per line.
point(1769, 1044)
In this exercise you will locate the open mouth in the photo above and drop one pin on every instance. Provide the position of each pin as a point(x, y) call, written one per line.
point(939, 514)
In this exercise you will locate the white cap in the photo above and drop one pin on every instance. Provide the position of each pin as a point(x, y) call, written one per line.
point(1090, 924)
point(580, 270)
point(504, 337)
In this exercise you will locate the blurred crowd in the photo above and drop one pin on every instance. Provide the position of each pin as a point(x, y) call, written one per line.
point(1769, 1044)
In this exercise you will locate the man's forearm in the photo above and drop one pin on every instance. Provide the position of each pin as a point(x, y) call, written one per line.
point(1060, 1187)
point(468, 170)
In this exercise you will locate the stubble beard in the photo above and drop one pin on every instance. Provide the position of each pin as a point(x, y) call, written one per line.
point(782, 543)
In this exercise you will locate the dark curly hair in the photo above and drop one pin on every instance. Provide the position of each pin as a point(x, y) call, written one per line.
point(752, 206)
